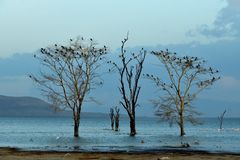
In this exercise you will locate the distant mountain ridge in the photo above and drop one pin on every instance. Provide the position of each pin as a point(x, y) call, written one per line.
point(25, 106)
point(31, 106)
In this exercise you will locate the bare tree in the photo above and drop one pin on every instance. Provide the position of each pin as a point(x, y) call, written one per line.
point(111, 115)
point(117, 117)
point(186, 78)
point(220, 118)
point(69, 73)
point(130, 70)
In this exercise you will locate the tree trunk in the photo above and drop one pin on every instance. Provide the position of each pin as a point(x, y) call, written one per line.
point(116, 123)
point(132, 126)
point(112, 124)
point(181, 117)
point(76, 129)
point(76, 123)
point(181, 125)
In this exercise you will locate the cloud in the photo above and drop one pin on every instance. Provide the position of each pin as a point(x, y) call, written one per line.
point(226, 90)
point(229, 83)
point(234, 4)
point(225, 26)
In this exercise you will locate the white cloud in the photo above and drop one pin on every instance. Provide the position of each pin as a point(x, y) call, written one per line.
point(227, 90)
point(229, 82)
point(225, 27)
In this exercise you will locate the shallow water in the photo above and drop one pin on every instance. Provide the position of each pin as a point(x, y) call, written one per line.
point(41, 133)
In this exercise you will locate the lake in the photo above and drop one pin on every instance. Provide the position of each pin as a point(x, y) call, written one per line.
point(56, 133)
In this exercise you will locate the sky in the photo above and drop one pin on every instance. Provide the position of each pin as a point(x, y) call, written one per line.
point(208, 29)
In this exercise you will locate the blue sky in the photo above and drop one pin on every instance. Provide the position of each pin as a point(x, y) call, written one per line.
point(27, 25)
point(208, 29)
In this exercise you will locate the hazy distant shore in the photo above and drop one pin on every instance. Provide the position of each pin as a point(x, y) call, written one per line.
point(16, 154)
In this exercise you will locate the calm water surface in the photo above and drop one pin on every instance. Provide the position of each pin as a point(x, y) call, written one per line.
point(41, 133)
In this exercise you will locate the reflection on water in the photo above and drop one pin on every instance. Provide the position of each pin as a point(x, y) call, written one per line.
point(95, 135)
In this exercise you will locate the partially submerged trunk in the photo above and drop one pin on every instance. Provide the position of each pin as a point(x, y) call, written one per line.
point(111, 115)
point(76, 118)
point(221, 119)
point(76, 128)
point(117, 124)
point(132, 126)
point(117, 116)
point(181, 119)
point(181, 125)
point(112, 124)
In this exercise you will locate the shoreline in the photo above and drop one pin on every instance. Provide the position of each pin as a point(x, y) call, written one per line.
point(142, 151)
point(19, 154)
point(149, 151)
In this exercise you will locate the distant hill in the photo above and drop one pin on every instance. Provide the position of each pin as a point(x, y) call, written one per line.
point(30, 106)
point(26, 106)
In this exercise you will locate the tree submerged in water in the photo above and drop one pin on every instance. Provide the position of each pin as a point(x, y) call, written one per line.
point(220, 118)
point(70, 72)
point(186, 78)
point(117, 118)
point(130, 71)
point(111, 116)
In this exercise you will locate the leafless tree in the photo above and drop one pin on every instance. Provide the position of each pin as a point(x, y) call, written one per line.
point(186, 77)
point(117, 117)
point(69, 73)
point(111, 115)
point(130, 70)
point(220, 118)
